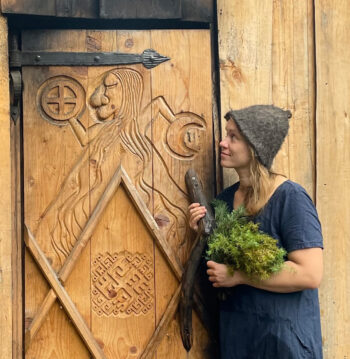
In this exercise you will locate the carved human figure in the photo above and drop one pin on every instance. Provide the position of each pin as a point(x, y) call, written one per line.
point(113, 139)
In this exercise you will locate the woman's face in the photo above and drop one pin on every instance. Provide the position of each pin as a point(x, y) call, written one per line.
point(107, 98)
point(235, 151)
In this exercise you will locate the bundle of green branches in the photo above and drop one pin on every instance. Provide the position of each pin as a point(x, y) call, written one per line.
point(237, 242)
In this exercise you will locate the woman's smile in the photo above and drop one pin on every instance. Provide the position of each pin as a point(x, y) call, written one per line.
point(223, 154)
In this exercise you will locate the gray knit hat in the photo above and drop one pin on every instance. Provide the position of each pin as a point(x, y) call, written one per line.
point(265, 128)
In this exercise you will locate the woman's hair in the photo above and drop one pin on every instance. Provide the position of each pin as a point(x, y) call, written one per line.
point(262, 183)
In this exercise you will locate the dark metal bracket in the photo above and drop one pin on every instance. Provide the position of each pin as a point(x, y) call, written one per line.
point(15, 94)
point(149, 58)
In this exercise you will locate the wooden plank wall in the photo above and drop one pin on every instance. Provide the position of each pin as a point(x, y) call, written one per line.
point(5, 202)
point(259, 63)
point(266, 56)
point(333, 169)
point(269, 53)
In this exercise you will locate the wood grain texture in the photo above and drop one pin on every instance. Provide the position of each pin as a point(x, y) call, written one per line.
point(17, 246)
point(140, 9)
point(333, 170)
point(65, 299)
point(61, 8)
point(6, 215)
point(43, 178)
point(124, 278)
point(266, 57)
point(74, 255)
point(180, 86)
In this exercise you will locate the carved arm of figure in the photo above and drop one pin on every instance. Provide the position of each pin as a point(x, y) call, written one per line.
point(84, 135)
point(159, 105)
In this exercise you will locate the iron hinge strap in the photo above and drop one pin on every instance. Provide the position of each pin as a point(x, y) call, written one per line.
point(149, 58)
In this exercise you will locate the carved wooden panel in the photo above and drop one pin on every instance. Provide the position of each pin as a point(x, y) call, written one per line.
point(122, 284)
point(105, 153)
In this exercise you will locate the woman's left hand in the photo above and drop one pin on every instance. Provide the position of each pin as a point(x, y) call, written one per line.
point(220, 277)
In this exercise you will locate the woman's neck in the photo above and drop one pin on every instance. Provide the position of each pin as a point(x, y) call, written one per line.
point(244, 179)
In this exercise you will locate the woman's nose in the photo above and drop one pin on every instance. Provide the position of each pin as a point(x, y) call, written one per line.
point(223, 144)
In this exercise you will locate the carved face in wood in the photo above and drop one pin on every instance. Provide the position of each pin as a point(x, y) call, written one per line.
point(108, 97)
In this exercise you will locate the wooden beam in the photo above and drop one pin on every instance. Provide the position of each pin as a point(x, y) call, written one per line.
point(5, 200)
point(152, 226)
point(162, 327)
point(333, 170)
point(63, 296)
point(59, 8)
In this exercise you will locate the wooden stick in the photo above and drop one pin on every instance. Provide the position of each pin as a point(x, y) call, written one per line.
point(160, 331)
point(205, 227)
point(68, 266)
point(63, 296)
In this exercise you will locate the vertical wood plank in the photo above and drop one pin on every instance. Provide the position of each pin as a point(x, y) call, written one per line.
point(293, 87)
point(124, 324)
point(5, 201)
point(266, 57)
point(333, 170)
point(43, 181)
point(184, 83)
point(245, 56)
point(17, 247)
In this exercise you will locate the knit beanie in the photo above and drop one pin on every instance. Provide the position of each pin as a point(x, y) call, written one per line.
point(265, 128)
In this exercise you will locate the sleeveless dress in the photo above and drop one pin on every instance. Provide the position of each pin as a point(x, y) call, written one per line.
point(258, 324)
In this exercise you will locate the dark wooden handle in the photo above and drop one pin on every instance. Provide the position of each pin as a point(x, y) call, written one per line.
point(196, 194)
point(205, 226)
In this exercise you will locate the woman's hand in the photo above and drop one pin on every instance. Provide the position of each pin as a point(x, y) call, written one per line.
point(220, 276)
point(196, 212)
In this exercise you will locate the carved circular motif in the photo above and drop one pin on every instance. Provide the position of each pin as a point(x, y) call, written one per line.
point(60, 99)
point(185, 135)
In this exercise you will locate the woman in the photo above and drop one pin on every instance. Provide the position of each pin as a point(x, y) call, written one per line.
point(278, 317)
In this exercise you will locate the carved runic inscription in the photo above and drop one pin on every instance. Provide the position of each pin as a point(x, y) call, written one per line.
point(122, 284)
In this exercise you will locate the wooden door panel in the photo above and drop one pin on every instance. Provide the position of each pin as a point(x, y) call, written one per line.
point(123, 306)
point(185, 86)
point(105, 154)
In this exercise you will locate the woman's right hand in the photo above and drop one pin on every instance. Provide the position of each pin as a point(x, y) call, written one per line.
point(196, 212)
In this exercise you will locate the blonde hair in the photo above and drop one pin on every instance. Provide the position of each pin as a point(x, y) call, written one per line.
point(262, 185)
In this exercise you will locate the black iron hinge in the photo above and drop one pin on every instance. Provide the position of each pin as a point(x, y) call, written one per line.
point(149, 58)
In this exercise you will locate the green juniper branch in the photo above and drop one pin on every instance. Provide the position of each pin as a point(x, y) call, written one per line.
point(237, 242)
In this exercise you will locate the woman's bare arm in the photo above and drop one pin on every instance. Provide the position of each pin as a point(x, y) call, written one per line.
point(302, 270)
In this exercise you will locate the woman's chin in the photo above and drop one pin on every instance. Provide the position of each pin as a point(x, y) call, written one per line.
point(225, 164)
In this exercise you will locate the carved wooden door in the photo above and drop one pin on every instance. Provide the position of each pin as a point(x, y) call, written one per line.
point(105, 153)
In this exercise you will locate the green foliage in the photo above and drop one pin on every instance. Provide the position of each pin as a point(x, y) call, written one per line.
point(237, 242)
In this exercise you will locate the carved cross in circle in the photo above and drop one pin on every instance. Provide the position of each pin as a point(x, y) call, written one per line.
point(62, 98)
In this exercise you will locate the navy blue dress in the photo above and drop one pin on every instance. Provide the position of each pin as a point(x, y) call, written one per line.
point(258, 324)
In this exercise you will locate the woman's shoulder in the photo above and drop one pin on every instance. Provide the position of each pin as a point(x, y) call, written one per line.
point(291, 195)
point(289, 187)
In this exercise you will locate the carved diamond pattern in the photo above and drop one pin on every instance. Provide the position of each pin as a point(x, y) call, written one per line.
point(122, 284)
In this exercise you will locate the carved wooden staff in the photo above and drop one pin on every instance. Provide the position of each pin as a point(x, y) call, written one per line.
point(205, 227)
